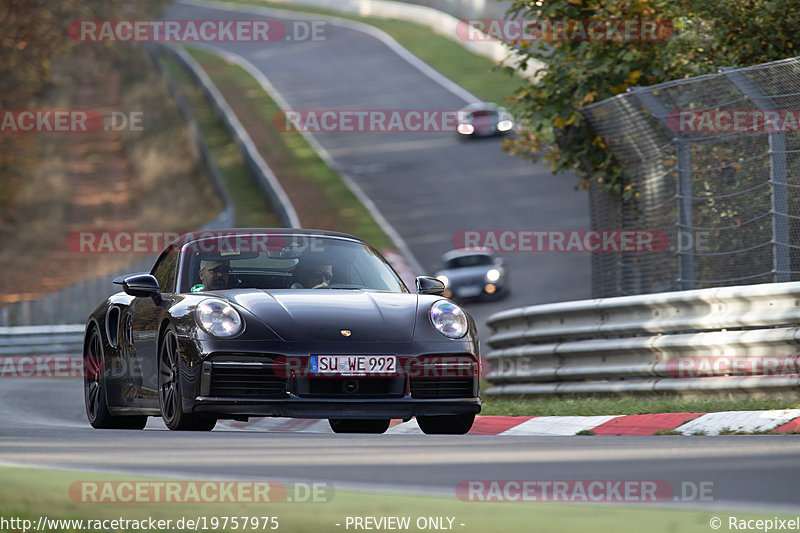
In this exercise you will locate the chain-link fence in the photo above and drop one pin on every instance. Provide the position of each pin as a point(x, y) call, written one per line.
point(716, 162)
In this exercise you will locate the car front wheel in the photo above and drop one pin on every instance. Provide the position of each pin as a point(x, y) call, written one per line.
point(169, 389)
point(446, 425)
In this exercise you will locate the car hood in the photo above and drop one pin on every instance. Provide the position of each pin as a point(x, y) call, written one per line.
point(322, 314)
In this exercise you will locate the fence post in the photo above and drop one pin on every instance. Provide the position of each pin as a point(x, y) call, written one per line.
point(777, 175)
point(683, 149)
point(688, 279)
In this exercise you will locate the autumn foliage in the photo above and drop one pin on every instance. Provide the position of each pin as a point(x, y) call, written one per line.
point(707, 34)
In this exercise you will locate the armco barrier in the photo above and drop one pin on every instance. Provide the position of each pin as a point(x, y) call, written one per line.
point(63, 340)
point(651, 343)
point(41, 352)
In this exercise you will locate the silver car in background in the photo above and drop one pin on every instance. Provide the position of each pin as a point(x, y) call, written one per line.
point(470, 274)
point(484, 119)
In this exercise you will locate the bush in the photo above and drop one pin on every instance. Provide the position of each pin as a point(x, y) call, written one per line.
point(706, 34)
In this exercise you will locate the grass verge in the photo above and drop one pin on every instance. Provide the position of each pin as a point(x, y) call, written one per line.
point(630, 405)
point(31, 493)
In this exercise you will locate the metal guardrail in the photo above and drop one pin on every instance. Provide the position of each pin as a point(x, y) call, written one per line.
point(41, 340)
point(729, 339)
point(41, 352)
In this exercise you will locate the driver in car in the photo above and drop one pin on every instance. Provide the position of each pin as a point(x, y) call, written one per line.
point(214, 275)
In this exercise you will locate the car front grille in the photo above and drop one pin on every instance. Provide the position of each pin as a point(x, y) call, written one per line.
point(442, 388)
point(246, 380)
point(351, 387)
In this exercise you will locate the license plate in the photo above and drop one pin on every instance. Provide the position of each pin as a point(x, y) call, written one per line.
point(468, 292)
point(352, 365)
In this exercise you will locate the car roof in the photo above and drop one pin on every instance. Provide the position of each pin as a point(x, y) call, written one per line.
point(476, 106)
point(463, 252)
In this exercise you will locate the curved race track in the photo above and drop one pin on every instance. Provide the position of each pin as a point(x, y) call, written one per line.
point(42, 424)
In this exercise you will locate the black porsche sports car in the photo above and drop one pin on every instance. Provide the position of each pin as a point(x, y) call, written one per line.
point(292, 323)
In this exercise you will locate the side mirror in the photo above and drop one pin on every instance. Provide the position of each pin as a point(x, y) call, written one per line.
point(429, 285)
point(143, 285)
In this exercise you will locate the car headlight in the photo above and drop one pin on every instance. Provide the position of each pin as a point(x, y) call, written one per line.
point(448, 319)
point(505, 125)
point(493, 274)
point(466, 129)
point(443, 279)
point(218, 318)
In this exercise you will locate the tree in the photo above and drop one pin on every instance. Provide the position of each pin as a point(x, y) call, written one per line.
point(695, 37)
point(32, 34)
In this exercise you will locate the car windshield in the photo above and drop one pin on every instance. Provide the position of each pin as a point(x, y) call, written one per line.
point(483, 113)
point(275, 262)
point(469, 261)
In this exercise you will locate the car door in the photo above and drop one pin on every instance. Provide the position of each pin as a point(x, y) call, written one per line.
point(146, 316)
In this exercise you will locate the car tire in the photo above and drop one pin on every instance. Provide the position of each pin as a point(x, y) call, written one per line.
point(446, 425)
point(94, 390)
point(169, 389)
point(345, 425)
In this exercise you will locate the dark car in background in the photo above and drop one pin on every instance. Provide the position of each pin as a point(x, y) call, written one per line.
point(484, 119)
point(291, 323)
point(473, 274)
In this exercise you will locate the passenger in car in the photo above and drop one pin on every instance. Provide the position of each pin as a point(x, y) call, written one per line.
point(312, 275)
